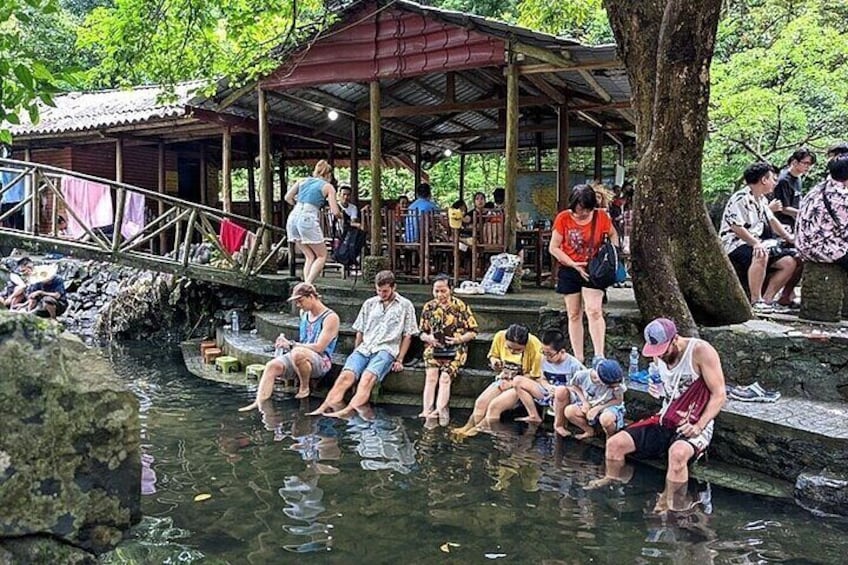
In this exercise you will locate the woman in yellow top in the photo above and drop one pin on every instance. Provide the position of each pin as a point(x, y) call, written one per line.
point(514, 352)
point(447, 325)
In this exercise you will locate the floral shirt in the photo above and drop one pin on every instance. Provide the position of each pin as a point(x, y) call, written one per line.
point(452, 319)
point(821, 237)
point(745, 210)
point(384, 325)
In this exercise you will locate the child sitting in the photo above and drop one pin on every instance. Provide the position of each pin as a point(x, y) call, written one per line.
point(595, 396)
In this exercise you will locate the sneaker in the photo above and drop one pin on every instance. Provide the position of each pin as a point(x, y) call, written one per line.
point(780, 308)
point(765, 395)
point(753, 393)
point(762, 307)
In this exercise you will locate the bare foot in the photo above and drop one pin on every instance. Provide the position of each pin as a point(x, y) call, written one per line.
point(343, 413)
point(302, 394)
point(561, 431)
point(318, 411)
point(249, 407)
point(425, 414)
point(529, 419)
point(600, 483)
point(585, 435)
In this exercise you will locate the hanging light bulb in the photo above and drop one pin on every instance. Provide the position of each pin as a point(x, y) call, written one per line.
point(448, 152)
point(332, 115)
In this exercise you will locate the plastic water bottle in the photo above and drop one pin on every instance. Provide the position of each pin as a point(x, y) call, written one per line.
point(633, 367)
point(280, 351)
point(654, 373)
point(234, 322)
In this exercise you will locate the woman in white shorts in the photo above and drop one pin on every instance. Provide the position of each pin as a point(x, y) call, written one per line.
point(303, 227)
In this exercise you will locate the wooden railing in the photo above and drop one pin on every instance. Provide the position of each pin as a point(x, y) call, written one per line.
point(164, 240)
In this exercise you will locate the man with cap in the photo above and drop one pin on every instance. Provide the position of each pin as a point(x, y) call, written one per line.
point(310, 357)
point(693, 393)
point(46, 294)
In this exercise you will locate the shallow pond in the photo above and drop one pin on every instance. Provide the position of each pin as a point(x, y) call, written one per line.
point(284, 488)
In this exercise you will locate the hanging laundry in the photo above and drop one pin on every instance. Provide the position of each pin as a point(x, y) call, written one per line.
point(133, 221)
point(90, 201)
point(231, 235)
point(14, 194)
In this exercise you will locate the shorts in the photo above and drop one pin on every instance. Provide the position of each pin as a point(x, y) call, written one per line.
point(378, 364)
point(449, 366)
point(547, 395)
point(60, 304)
point(653, 440)
point(569, 281)
point(320, 365)
point(304, 225)
point(743, 256)
point(617, 411)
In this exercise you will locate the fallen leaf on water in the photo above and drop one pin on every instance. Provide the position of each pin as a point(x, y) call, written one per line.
point(202, 497)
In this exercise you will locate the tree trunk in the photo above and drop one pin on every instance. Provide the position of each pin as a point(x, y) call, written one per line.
point(679, 267)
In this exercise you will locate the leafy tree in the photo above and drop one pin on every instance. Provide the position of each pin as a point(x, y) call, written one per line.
point(585, 20)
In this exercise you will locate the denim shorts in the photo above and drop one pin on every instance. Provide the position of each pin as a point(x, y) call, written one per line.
point(304, 226)
point(379, 364)
point(617, 411)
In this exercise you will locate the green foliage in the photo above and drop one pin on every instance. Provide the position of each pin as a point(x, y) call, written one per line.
point(584, 20)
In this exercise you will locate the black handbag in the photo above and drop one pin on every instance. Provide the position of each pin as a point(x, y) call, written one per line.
point(603, 266)
point(444, 353)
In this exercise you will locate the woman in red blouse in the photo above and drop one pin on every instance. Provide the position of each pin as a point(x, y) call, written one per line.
point(578, 233)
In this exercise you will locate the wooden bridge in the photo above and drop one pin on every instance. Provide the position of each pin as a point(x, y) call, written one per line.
point(162, 241)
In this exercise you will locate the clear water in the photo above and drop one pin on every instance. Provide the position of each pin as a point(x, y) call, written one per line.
point(287, 488)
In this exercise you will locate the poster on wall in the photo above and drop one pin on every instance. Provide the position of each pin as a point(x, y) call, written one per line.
point(172, 182)
point(537, 196)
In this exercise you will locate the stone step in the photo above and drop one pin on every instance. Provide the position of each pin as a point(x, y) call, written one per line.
point(251, 348)
point(270, 324)
point(780, 439)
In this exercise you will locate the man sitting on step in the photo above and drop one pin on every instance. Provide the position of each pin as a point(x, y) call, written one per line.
point(310, 356)
point(384, 329)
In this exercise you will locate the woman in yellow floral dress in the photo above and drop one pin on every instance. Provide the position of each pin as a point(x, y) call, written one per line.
point(447, 325)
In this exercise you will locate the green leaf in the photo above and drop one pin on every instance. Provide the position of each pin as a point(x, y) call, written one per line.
point(13, 118)
point(41, 72)
point(23, 75)
point(5, 136)
point(33, 114)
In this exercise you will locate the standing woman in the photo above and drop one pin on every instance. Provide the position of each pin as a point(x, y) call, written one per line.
point(578, 233)
point(447, 325)
point(303, 227)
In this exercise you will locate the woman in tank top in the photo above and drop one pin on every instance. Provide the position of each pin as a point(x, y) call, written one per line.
point(303, 227)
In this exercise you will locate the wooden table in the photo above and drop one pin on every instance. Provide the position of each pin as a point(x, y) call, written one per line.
point(536, 241)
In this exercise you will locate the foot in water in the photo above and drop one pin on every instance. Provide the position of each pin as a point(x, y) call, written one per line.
point(562, 432)
point(600, 483)
point(302, 394)
point(529, 419)
point(249, 407)
point(585, 435)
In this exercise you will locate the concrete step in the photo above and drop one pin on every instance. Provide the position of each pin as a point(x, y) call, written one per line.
point(269, 325)
point(252, 348)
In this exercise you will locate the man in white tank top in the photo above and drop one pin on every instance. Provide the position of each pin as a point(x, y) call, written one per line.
point(682, 362)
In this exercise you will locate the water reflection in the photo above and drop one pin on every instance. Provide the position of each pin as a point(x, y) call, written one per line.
point(383, 485)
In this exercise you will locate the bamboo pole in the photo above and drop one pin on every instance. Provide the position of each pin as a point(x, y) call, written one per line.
point(511, 154)
point(376, 171)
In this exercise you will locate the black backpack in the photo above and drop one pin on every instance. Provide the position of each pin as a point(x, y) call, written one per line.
point(350, 246)
point(603, 267)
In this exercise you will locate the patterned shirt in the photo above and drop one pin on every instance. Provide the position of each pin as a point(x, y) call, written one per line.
point(383, 326)
point(821, 237)
point(453, 319)
point(747, 211)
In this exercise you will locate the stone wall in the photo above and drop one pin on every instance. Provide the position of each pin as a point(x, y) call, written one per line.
point(70, 466)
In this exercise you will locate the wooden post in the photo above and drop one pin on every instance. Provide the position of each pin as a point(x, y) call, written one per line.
point(160, 186)
point(251, 180)
point(331, 157)
point(265, 181)
point(417, 167)
point(354, 162)
point(599, 154)
point(562, 157)
point(376, 171)
point(204, 181)
point(227, 170)
point(119, 160)
point(538, 162)
point(119, 194)
point(511, 154)
point(29, 187)
point(462, 177)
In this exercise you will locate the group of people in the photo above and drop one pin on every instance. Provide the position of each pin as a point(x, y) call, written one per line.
point(38, 290)
point(530, 374)
point(768, 230)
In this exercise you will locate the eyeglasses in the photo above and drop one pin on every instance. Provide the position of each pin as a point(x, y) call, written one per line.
point(550, 354)
point(806, 163)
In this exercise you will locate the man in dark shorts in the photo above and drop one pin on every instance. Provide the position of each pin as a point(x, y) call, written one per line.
point(684, 363)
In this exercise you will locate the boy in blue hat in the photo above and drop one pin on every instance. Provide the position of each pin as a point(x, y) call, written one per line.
point(596, 398)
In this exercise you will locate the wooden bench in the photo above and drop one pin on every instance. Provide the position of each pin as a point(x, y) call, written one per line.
point(824, 292)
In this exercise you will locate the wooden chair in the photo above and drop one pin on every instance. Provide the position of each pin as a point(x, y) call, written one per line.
point(489, 238)
point(409, 233)
point(442, 246)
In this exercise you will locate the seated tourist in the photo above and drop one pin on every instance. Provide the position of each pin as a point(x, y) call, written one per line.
point(558, 367)
point(595, 397)
point(514, 352)
point(45, 295)
point(822, 223)
point(14, 293)
point(692, 392)
point(746, 228)
point(384, 329)
point(310, 357)
point(447, 325)
point(423, 204)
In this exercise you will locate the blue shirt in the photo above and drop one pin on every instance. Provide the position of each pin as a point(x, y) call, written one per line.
point(311, 192)
point(561, 373)
point(419, 207)
point(56, 284)
point(14, 194)
point(310, 331)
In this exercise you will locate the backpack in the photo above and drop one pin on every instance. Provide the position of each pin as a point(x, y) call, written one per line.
point(603, 267)
point(350, 246)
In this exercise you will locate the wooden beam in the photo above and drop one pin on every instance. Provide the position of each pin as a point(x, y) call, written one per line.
point(599, 154)
point(235, 95)
point(160, 188)
point(562, 158)
point(542, 85)
point(462, 176)
point(537, 68)
point(544, 55)
point(227, 170)
point(587, 76)
point(511, 155)
point(376, 171)
point(119, 160)
point(450, 87)
point(456, 107)
point(204, 188)
point(266, 184)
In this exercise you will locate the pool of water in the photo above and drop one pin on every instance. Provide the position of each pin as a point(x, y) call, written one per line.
point(227, 487)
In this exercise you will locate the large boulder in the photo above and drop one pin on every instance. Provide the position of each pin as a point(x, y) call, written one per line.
point(824, 494)
point(70, 467)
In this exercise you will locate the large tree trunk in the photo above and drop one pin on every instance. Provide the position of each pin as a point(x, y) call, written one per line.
point(679, 268)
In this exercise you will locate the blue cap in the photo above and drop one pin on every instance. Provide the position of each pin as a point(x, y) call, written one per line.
point(610, 372)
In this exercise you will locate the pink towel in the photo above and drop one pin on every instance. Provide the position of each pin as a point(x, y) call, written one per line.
point(90, 201)
point(133, 221)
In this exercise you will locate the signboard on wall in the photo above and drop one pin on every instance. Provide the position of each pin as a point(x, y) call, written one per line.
point(537, 195)
point(172, 182)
